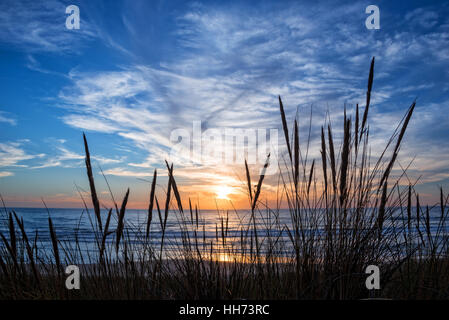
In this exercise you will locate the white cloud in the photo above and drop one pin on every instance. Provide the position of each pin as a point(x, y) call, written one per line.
point(423, 17)
point(12, 154)
point(40, 26)
point(89, 123)
point(4, 117)
point(122, 172)
point(5, 174)
point(66, 158)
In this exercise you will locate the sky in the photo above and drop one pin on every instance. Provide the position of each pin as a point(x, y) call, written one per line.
point(136, 72)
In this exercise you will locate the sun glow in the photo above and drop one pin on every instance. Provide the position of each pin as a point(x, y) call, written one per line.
point(222, 192)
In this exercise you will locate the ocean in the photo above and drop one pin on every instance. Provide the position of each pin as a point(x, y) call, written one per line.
point(71, 224)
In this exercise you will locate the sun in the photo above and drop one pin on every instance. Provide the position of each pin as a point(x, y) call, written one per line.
point(222, 192)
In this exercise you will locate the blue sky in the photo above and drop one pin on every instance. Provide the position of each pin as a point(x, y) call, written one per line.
point(136, 70)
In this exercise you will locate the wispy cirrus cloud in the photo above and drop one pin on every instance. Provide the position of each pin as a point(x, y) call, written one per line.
point(7, 118)
point(233, 63)
point(13, 155)
point(39, 26)
point(422, 17)
point(5, 174)
point(65, 158)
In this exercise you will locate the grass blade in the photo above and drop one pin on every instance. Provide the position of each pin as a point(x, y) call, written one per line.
point(93, 191)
